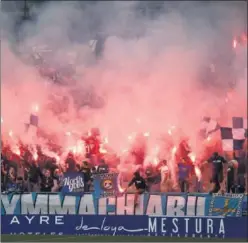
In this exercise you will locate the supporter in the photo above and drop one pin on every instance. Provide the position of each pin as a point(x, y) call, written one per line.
point(149, 177)
point(47, 182)
point(20, 185)
point(11, 180)
point(70, 163)
point(21, 169)
point(184, 171)
point(165, 176)
point(217, 162)
point(103, 167)
point(93, 170)
point(3, 173)
point(140, 185)
point(33, 177)
point(153, 178)
point(87, 176)
point(231, 177)
point(58, 180)
point(241, 173)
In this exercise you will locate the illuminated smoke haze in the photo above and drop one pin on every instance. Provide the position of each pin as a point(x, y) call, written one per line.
point(150, 76)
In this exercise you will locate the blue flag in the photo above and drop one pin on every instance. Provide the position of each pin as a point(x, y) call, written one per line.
point(105, 185)
point(73, 183)
point(226, 205)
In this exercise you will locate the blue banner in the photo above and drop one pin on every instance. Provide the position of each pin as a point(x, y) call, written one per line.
point(171, 204)
point(105, 185)
point(204, 227)
point(73, 183)
point(228, 205)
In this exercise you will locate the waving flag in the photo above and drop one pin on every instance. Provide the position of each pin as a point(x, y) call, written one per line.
point(233, 138)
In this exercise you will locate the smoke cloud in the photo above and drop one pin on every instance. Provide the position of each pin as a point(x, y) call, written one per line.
point(153, 73)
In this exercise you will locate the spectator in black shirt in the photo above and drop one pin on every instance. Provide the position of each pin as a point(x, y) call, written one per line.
point(140, 185)
point(47, 182)
point(231, 177)
point(20, 186)
point(10, 180)
point(103, 168)
point(87, 176)
point(217, 171)
point(70, 163)
point(34, 176)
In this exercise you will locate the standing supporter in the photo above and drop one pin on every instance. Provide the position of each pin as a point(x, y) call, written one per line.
point(70, 163)
point(20, 185)
point(241, 173)
point(153, 178)
point(93, 170)
point(3, 173)
point(47, 182)
point(87, 176)
point(58, 182)
point(103, 168)
point(149, 177)
point(165, 176)
point(11, 180)
point(140, 185)
point(21, 169)
point(217, 162)
point(34, 176)
point(231, 177)
point(184, 172)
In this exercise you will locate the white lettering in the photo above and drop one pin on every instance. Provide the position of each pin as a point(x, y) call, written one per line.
point(102, 206)
point(9, 205)
point(175, 206)
point(29, 219)
point(152, 225)
point(163, 224)
point(44, 219)
point(59, 220)
point(28, 206)
point(222, 227)
point(125, 205)
point(200, 206)
point(68, 206)
point(154, 206)
point(210, 228)
point(103, 203)
point(139, 210)
point(86, 205)
point(191, 206)
point(14, 220)
point(186, 225)
point(198, 225)
point(74, 184)
point(174, 222)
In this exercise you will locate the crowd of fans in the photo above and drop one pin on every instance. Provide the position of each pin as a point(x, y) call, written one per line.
point(23, 173)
